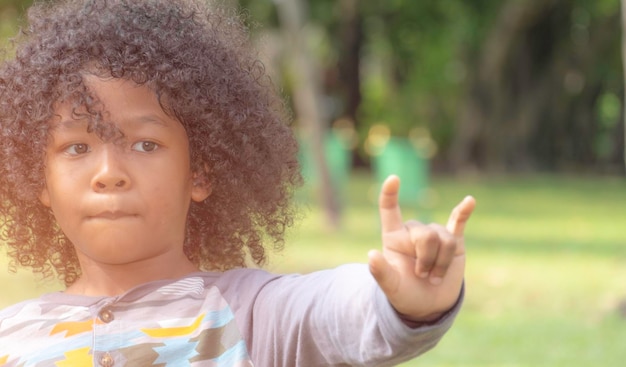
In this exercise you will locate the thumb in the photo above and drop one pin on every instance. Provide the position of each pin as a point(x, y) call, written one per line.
point(386, 276)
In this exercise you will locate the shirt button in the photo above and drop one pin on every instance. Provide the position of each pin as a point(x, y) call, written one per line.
point(106, 315)
point(106, 360)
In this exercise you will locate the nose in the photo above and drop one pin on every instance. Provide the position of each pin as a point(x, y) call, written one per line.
point(110, 174)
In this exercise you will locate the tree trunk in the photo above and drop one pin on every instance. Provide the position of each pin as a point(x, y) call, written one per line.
point(350, 56)
point(493, 127)
point(623, 2)
point(349, 64)
point(307, 102)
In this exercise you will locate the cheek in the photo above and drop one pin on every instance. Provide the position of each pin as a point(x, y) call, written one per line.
point(169, 196)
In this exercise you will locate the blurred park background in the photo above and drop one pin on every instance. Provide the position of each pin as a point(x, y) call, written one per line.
point(517, 102)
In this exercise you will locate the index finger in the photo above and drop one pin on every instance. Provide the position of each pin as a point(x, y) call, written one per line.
point(390, 214)
point(460, 215)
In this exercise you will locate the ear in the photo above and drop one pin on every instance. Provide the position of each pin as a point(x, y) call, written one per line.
point(201, 187)
point(44, 196)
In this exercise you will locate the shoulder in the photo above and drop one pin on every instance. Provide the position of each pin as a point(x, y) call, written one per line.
point(243, 288)
point(239, 285)
point(19, 315)
point(349, 275)
point(244, 279)
point(15, 309)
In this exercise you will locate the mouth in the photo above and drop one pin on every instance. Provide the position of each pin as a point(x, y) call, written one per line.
point(112, 215)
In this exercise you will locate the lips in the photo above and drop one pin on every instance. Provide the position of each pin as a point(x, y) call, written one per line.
point(112, 215)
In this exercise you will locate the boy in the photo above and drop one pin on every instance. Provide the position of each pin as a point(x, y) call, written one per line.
point(145, 156)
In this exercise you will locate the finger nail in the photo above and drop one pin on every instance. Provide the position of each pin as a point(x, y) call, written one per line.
point(436, 280)
point(423, 275)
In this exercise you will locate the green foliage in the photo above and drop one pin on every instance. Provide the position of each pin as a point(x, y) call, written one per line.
point(412, 72)
point(11, 17)
point(425, 64)
point(260, 13)
point(609, 109)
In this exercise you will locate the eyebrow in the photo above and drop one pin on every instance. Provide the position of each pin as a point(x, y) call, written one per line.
point(74, 123)
point(67, 124)
point(151, 119)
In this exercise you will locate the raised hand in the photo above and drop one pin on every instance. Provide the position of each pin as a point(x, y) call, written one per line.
point(421, 267)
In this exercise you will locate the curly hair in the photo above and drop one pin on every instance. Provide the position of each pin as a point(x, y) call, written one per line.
point(199, 61)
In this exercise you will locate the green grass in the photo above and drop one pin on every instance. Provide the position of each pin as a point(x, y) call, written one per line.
point(546, 267)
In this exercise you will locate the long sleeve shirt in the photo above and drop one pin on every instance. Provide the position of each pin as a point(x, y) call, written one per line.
point(242, 317)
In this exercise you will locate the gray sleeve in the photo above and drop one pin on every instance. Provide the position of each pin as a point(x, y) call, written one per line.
point(336, 317)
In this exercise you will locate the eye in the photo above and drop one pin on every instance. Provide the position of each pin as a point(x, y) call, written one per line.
point(145, 146)
point(77, 149)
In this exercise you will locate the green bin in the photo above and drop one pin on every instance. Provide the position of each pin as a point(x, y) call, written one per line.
point(400, 157)
point(338, 160)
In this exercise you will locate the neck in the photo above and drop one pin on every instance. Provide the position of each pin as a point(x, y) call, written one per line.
point(99, 279)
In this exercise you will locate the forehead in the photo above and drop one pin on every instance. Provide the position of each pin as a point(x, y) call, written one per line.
point(118, 102)
point(124, 96)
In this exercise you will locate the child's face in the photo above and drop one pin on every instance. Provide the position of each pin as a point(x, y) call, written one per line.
point(126, 201)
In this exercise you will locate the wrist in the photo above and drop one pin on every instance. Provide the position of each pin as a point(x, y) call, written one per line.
point(427, 320)
point(431, 318)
